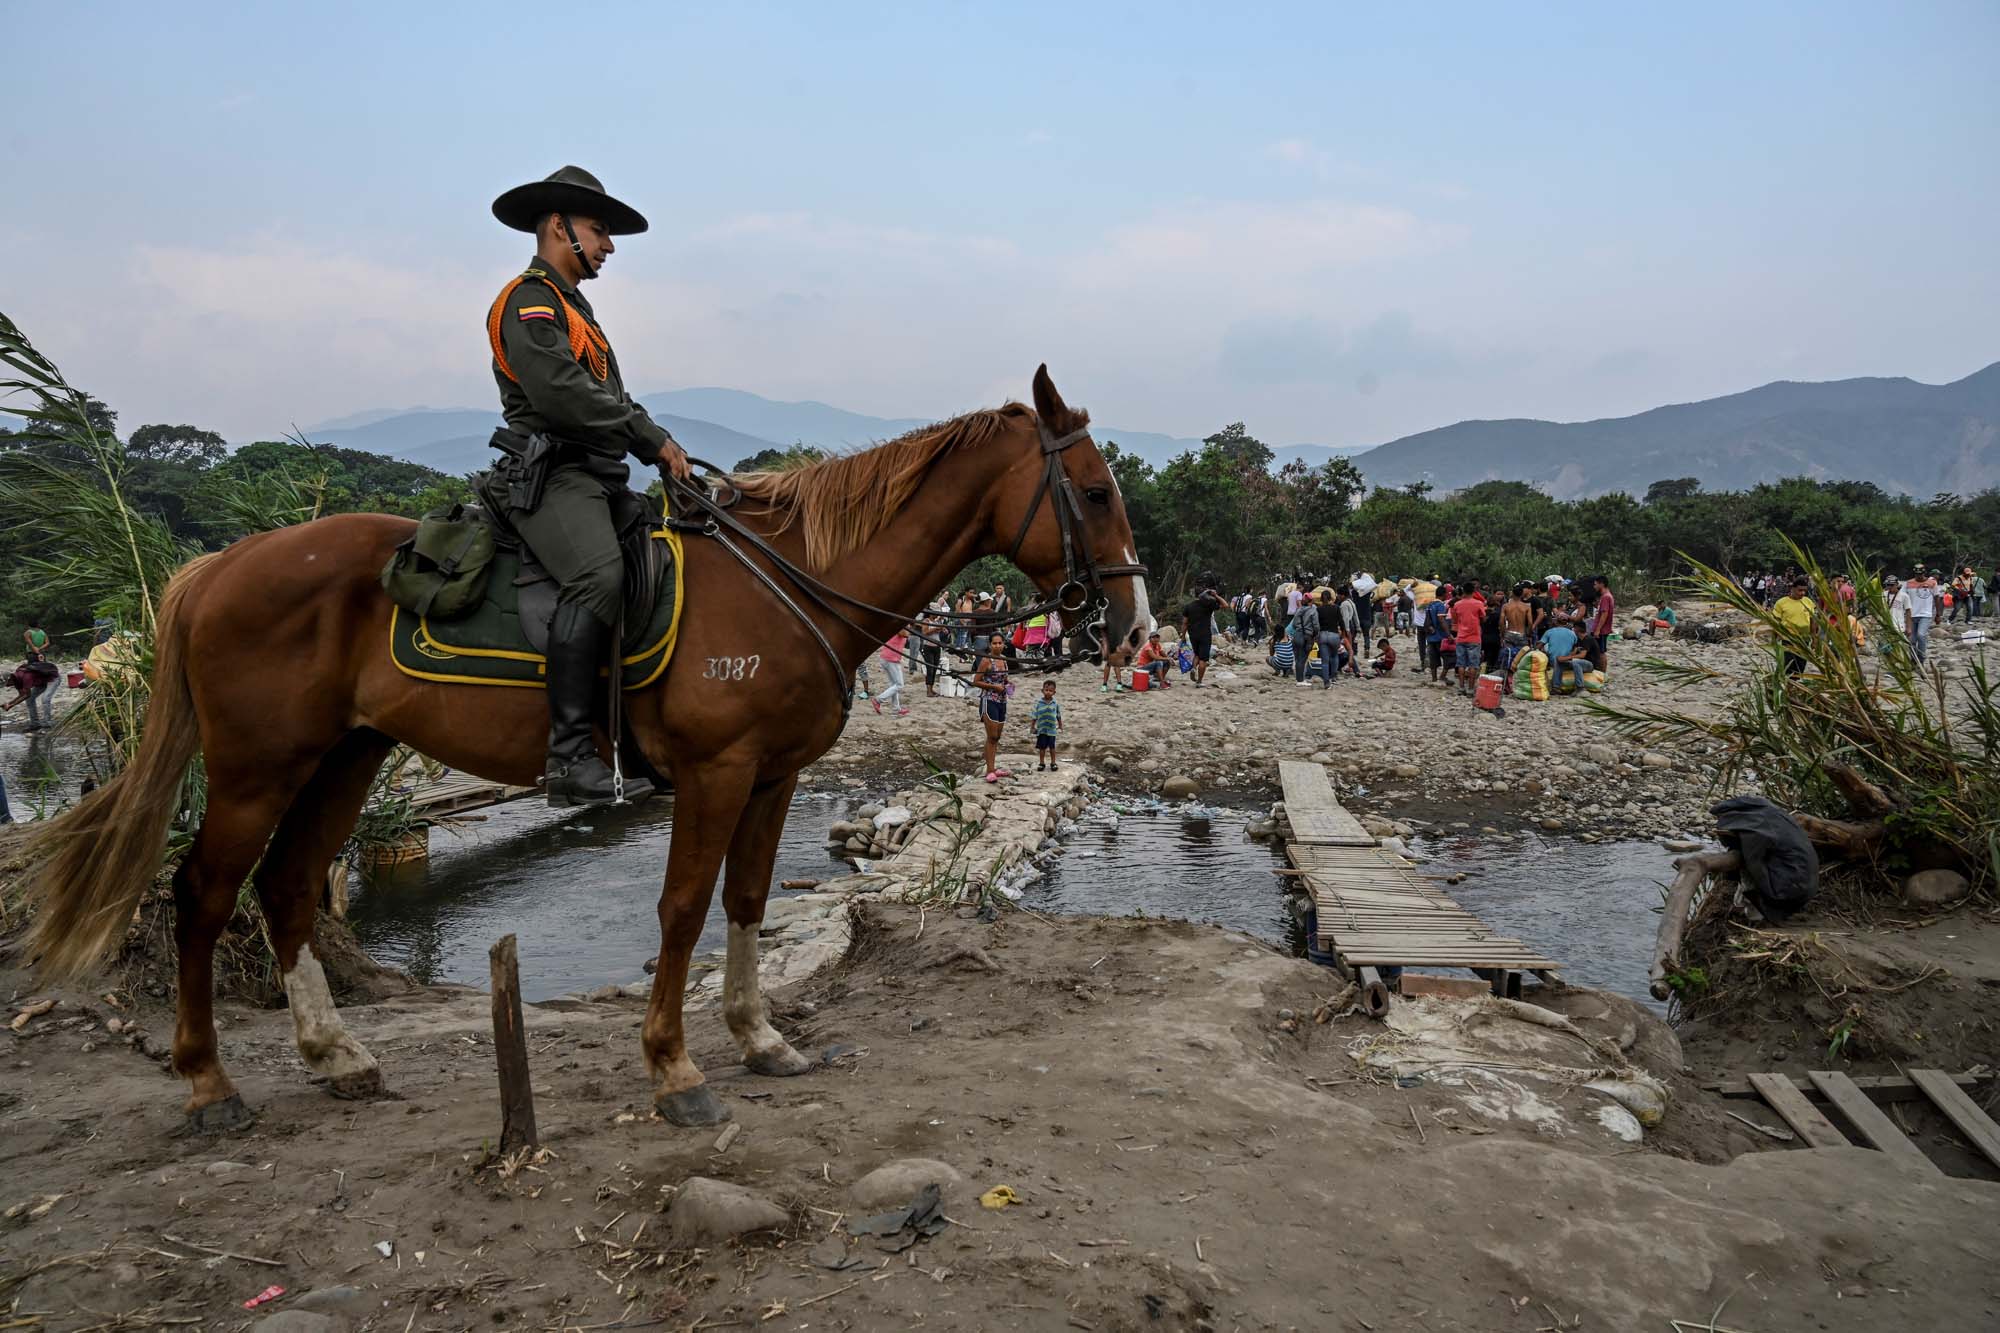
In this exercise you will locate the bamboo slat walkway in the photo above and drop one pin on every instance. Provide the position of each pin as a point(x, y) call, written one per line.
point(1373, 909)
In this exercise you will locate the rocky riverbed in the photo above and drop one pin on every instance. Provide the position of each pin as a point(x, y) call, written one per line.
point(1400, 747)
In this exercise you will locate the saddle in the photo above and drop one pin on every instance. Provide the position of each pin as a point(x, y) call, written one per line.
point(503, 639)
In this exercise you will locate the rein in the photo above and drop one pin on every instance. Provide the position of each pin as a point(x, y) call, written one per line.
point(1080, 594)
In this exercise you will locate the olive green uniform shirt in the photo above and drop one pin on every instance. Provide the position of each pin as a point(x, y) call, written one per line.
point(557, 396)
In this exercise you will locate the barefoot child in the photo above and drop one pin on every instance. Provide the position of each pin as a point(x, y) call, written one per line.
point(1386, 662)
point(1048, 721)
point(989, 677)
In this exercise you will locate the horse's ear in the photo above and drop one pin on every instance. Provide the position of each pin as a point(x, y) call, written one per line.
point(1049, 404)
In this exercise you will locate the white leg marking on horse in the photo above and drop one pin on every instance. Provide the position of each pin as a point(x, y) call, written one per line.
point(1141, 612)
point(323, 1039)
point(742, 1000)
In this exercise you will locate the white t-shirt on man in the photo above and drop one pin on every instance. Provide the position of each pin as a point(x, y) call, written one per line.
point(1923, 600)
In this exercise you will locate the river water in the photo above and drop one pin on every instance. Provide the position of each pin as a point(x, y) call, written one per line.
point(581, 889)
point(1588, 905)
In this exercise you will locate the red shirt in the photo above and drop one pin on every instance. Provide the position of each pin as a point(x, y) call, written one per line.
point(1600, 624)
point(1466, 613)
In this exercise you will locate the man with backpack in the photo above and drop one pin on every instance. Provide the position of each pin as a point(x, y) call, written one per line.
point(1305, 632)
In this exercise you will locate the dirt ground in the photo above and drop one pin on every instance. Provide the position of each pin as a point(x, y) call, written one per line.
point(1132, 1081)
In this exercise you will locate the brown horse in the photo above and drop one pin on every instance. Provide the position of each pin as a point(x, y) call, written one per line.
point(292, 745)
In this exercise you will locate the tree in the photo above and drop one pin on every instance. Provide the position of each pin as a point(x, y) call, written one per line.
point(776, 459)
point(1672, 488)
point(1239, 446)
point(183, 446)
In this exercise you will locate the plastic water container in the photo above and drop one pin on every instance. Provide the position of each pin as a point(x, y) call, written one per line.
point(1487, 693)
point(1142, 680)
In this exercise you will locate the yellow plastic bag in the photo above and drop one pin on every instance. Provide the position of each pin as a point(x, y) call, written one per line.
point(999, 1197)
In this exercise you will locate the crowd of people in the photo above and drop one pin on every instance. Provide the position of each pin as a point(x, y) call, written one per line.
point(1318, 633)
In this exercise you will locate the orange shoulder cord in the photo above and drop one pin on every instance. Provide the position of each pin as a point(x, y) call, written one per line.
point(586, 343)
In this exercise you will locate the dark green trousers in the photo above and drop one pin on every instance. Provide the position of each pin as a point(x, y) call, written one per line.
point(571, 534)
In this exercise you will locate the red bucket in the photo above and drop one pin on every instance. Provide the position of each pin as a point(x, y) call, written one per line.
point(76, 679)
point(1487, 693)
point(1142, 679)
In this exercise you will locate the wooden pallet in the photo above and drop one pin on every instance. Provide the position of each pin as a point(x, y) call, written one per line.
point(1853, 1102)
point(456, 793)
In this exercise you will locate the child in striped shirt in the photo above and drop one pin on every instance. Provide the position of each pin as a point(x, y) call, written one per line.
point(1047, 719)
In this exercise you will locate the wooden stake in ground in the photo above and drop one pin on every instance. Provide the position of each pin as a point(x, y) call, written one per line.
point(510, 1050)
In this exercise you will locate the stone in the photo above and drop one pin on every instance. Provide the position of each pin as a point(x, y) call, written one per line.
point(1654, 759)
point(1317, 756)
point(894, 1184)
point(706, 1211)
point(1680, 845)
point(1935, 888)
point(226, 1168)
point(854, 844)
point(1600, 754)
point(1180, 787)
point(350, 1301)
point(1552, 824)
point(297, 1321)
point(1111, 763)
point(868, 811)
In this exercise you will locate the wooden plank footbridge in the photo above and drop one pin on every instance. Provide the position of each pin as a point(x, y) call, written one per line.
point(1373, 910)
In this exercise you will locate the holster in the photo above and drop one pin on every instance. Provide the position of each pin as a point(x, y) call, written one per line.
point(523, 470)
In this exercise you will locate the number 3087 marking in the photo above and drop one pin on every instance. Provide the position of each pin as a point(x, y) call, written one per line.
point(732, 668)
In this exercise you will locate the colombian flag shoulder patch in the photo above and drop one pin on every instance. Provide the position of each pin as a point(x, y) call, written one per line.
point(538, 312)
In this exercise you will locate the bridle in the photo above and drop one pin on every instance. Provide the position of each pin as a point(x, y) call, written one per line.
point(1075, 593)
point(1081, 593)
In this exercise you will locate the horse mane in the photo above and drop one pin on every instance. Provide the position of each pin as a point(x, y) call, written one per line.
point(844, 500)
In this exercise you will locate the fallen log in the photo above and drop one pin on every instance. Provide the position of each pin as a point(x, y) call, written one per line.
point(1692, 870)
point(1863, 797)
point(1845, 837)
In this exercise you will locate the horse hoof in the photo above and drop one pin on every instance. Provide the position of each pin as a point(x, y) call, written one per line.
point(360, 1086)
point(223, 1117)
point(692, 1109)
point(784, 1062)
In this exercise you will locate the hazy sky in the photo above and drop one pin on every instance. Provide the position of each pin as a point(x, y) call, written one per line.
point(1337, 223)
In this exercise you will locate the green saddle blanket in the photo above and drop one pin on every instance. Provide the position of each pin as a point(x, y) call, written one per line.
point(488, 646)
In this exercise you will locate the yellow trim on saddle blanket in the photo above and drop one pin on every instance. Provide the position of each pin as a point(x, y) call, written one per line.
point(422, 643)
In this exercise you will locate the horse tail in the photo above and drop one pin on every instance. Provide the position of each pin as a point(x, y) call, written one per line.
point(90, 866)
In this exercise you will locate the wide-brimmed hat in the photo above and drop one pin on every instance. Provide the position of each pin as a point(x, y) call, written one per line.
point(569, 190)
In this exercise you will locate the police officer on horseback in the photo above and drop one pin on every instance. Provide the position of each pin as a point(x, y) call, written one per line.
point(570, 425)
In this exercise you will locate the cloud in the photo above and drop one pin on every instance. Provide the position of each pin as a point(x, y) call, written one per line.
point(1260, 247)
point(1296, 153)
point(1308, 350)
point(887, 317)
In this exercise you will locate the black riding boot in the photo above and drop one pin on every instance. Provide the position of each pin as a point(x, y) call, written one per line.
point(579, 646)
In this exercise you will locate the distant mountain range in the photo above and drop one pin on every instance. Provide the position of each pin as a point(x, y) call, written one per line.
point(720, 425)
point(1908, 438)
